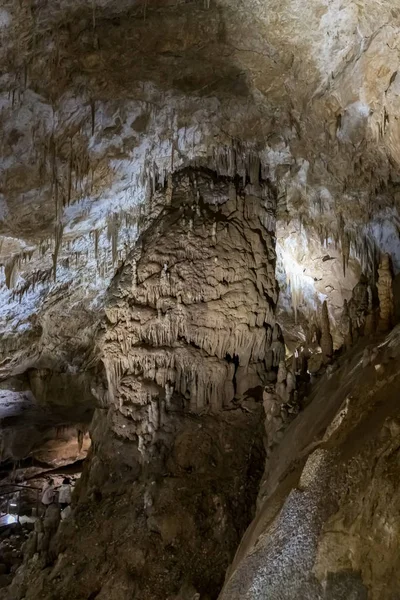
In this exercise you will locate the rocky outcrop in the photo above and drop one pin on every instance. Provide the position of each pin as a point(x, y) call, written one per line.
point(161, 535)
point(327, 523)
point(183, 353)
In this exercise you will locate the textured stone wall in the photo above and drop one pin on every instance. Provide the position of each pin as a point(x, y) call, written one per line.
point(190, 314)
point(327, 525)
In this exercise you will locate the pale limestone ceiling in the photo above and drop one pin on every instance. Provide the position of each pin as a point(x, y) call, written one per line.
point(101, 100)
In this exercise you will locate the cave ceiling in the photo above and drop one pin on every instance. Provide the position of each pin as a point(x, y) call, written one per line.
point(101, 101)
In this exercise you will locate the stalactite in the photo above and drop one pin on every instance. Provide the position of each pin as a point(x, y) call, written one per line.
point(345, 245)
point(276, 352)
point(112, 235)
point(168, 195)
point(172, 155)
point(93, 114)
point(11, 272)
point(58, 234)
point(54, 179)
point(96, 243)
point(254, 168)
point(70, 162)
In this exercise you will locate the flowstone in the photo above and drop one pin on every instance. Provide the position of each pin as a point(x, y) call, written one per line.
point(385, 293)
point(190, 316)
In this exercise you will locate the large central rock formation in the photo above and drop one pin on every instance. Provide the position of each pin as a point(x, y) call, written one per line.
point(190, 314)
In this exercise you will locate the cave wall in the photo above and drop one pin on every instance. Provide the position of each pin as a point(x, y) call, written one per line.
point(327, 522)
point(170, 533)
point(160, 140)
point(42, 413)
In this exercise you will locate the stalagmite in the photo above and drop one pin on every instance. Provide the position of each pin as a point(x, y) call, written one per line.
point(385, 294)
point(346, 327)
point(168, 195)
point(358, 307)
point(313, 336)
point(326, 338)
point(280, 387)
point(370, 319)
point(290, 384)
point(276, 353)
point(295, 361)
point(280, 406)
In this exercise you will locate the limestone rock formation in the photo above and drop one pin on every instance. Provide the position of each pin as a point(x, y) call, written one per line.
point(280, 406)
point(65, 447)
point(370, 320)
point(385, 294)
point(276, 353)
point(159, 536)
point(191, 192)
point(88, 129)
point(326, 337)
point(347, 327)
point(319, 530)
point(198, 291)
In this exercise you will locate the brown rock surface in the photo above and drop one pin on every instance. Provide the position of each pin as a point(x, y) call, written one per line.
point(326, 337)
point(190, 310)
point(385, 294)
point(327, 520)
point(155, 536)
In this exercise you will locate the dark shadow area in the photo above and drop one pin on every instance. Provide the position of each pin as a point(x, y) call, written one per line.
point(44, 417)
